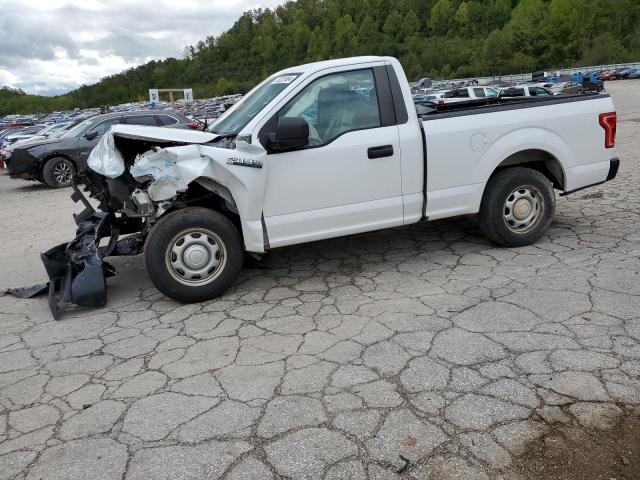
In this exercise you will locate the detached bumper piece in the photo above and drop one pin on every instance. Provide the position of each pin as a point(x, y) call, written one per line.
point(77, 271)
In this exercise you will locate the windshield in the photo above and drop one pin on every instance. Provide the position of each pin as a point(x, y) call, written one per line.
point(77, 130)
point(46, 129)
point(243, 111)
point(60, 132)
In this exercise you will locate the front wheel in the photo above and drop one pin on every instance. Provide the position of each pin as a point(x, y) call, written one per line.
point(517, 207)
point(193, 254)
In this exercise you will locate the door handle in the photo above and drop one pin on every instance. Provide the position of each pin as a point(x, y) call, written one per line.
point(379, 152)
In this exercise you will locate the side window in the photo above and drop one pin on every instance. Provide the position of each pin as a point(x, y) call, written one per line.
point(102, 127)
point(491, 92)
point(149, 120)
point(461, 93)
point(336, 104)
point(164, 120)
point(479, 92)
point(541, 91)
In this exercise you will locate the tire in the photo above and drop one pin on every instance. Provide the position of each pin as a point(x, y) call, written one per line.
point(517, 207)
point(193, 254)
point(58, 172)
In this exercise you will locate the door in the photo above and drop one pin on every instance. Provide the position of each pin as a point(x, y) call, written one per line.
point(347, 180)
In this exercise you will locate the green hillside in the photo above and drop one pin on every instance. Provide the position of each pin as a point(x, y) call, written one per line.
point(437, 38)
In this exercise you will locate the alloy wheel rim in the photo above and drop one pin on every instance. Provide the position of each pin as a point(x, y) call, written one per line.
point(62, 172)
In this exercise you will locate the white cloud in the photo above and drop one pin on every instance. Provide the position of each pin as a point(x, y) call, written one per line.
point(53, 46)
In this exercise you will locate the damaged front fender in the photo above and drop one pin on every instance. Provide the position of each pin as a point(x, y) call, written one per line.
point(137, 174)
point(163, 163)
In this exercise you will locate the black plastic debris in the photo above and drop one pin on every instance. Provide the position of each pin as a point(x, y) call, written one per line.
point(29, 292)
point(77, 271)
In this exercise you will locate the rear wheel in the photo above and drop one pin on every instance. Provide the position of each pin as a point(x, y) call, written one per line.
point(58, 172)
point(517, 207)
point(193, 254)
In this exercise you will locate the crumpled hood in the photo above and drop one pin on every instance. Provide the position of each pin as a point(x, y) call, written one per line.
point(107, 160)
point(172, 168)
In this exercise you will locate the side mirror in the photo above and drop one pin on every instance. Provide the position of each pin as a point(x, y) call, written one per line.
point(91, 135)
point(291, 133)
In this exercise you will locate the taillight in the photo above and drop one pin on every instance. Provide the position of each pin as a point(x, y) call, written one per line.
point(194, 125)
point(608, 121)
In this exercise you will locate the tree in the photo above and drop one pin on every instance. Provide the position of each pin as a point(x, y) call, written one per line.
point(462, 18)
point(495, 50)
point(606, 48)
point(500, 13)
point(525, 27)
point(410, 25)
point(368, 37)
point(393, 25)
point(461, 38)
point(441, 15)
point(562, 29)
point(223, 86)
point(345, 36)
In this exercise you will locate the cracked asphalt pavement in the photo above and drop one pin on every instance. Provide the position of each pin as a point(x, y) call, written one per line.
point(419, 352)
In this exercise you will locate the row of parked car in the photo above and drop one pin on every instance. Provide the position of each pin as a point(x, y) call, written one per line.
point(472, 92)
point(582, 82)
point(53, 154)
point(618, 74)
point(51, 147)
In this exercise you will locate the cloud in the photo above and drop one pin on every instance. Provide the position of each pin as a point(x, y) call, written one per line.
point(24, 37)
point(52, 47)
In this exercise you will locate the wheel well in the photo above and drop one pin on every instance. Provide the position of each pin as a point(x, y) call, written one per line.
point(56, 155)
point(539, 160)
point(218, 199)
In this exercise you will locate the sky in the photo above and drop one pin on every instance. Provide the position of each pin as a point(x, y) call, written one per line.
point(48, 47)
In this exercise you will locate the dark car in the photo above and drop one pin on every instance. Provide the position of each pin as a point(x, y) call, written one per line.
point(55, 161)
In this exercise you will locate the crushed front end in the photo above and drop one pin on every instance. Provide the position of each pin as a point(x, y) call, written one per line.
point(134, 181)
point(76, 269)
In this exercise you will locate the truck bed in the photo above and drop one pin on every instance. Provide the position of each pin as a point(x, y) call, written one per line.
point(562, 134)
point(479, 106)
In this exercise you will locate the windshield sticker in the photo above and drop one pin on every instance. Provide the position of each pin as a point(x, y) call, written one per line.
point(362, 89)
point(284, 79)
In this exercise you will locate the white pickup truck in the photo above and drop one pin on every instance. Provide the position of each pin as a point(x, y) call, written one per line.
point(329, 149)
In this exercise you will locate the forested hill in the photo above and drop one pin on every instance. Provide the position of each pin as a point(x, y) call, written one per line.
point(436, 38)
